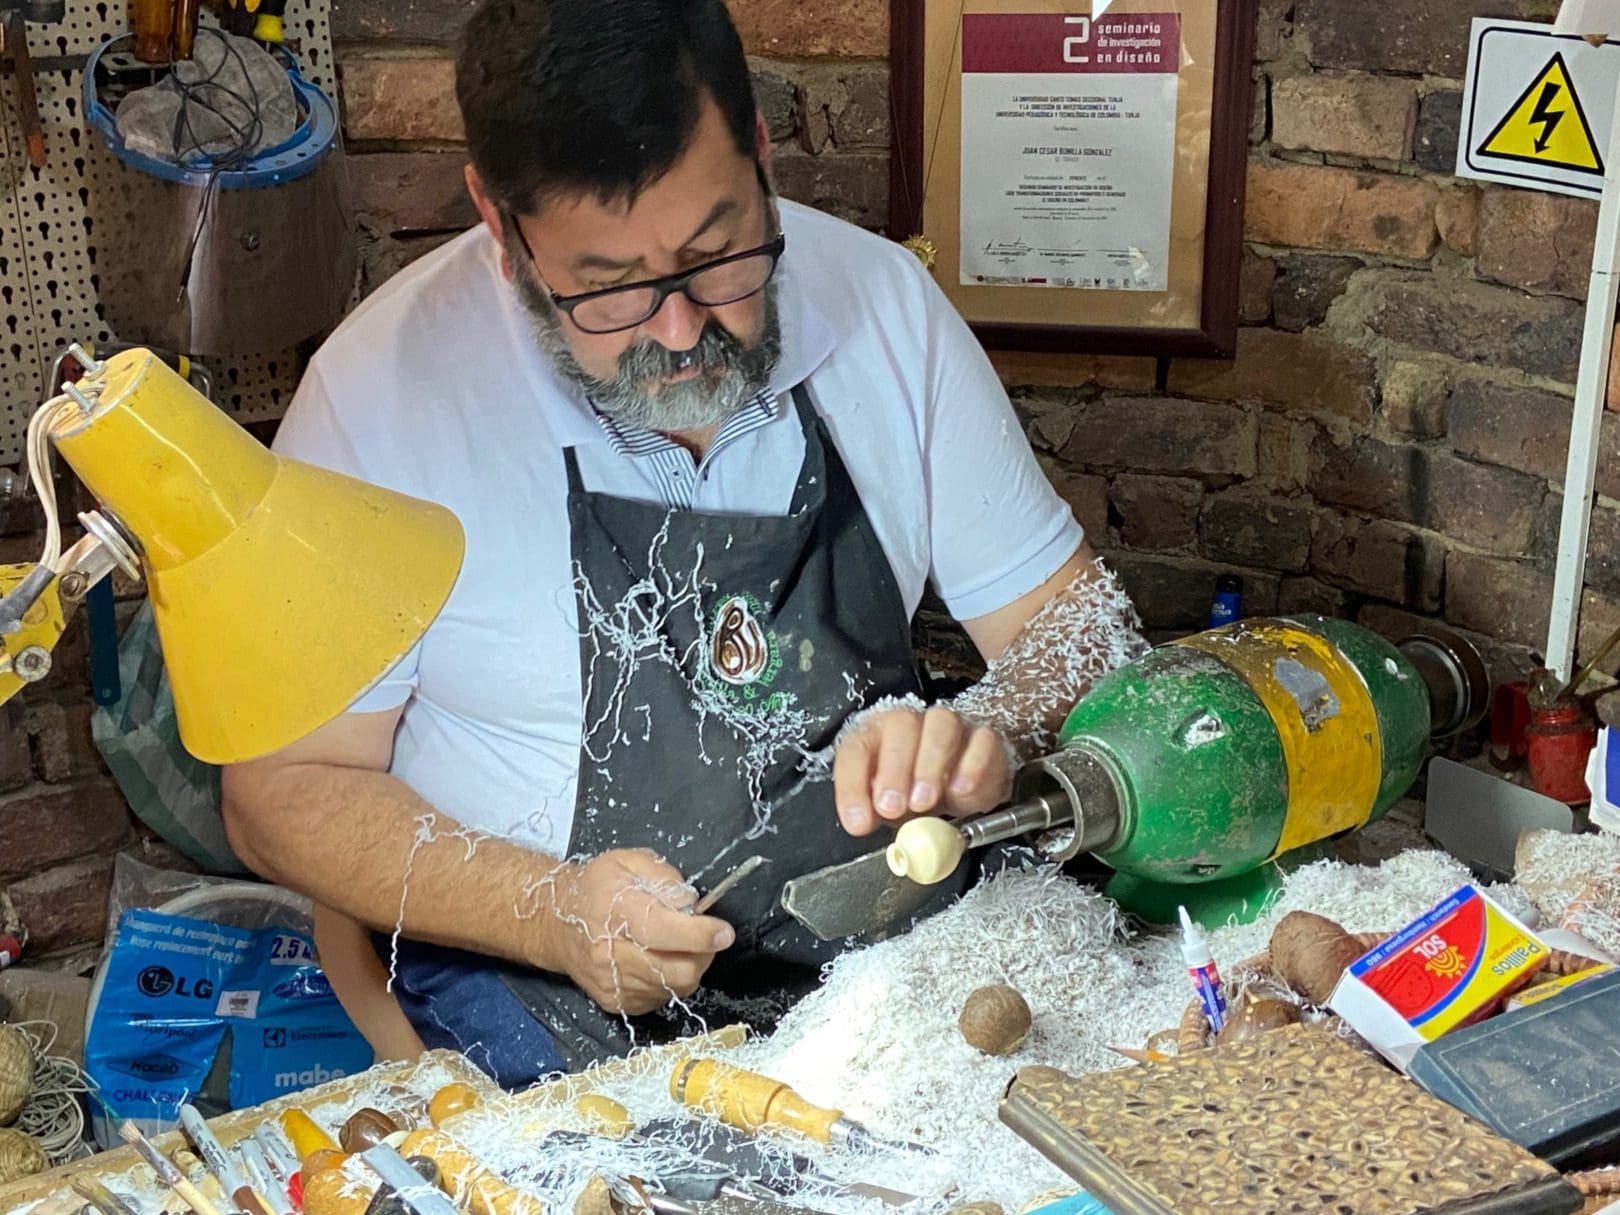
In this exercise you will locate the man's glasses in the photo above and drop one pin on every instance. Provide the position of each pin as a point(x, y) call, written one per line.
point(726, 280)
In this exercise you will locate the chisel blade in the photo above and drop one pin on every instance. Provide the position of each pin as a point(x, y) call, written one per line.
point(863, 898)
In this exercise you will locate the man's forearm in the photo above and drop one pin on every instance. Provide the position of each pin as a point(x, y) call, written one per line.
point(1081, 634)
point(351, 838)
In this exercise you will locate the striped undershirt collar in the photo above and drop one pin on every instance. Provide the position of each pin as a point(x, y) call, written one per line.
point(672, 466)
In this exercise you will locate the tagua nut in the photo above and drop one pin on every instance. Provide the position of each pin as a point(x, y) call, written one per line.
point(451, 1100)
point(366, 1128)
point(995, 1019)
point(1253, 1016)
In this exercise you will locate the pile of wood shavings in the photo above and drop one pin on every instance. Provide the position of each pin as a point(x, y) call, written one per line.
point(879, 1040)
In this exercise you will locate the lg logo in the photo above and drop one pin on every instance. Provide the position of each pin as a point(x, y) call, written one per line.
point(158, 981)
point(1072, 44)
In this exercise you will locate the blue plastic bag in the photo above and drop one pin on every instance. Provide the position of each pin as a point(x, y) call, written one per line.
point(176, 986)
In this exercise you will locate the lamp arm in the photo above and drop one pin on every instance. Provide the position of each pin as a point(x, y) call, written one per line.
point(35, 606)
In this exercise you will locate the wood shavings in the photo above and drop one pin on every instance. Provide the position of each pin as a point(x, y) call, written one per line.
point(1552, 867)
point(879, 1040)
point(1086, 630)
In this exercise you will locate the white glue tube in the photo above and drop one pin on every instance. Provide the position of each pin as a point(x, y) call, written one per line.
point(1206, 979)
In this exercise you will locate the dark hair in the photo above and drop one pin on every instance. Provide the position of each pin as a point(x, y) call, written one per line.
point(595, 97)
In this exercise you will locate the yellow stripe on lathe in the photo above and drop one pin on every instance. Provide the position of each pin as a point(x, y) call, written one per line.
point(1324, 716)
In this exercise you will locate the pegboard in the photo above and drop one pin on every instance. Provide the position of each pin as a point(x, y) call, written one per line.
point(50, 254)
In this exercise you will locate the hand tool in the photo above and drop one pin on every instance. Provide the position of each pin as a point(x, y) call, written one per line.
point(723, 1204)
point(752, 1102)
point(865, 896)
point(745, 1156)
point(695, 1179)
point(100, 1197)
point(166, 1170)
point(387, 1201)
point(419, 1196)
point(14, 49)
point(725, 884)
point(463, 1174)
point(1281, 733)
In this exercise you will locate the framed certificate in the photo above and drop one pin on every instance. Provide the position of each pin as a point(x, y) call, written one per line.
point(1075, 182)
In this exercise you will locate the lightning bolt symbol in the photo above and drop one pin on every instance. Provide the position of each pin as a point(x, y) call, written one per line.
point(1549, 120)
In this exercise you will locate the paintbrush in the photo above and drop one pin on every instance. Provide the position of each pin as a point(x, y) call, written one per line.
point(168, 1173)
point(100, 1197)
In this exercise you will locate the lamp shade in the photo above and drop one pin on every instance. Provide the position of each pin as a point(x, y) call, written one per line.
point(280, 591)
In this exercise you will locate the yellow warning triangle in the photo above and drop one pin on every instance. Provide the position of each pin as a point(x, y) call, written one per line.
point(1546, 125)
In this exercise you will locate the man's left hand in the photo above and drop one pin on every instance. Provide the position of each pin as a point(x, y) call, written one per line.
point(903, 763)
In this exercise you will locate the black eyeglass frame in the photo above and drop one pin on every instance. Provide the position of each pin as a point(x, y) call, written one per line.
point(663, 287)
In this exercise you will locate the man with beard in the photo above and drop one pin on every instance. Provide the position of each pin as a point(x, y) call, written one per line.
point(707, 446)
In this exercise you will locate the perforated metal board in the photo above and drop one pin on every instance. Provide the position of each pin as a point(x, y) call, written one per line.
point(49, 253)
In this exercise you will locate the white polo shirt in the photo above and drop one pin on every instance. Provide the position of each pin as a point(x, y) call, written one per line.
point(435, 387)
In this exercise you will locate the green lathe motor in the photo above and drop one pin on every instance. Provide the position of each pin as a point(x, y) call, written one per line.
point(1193, 770)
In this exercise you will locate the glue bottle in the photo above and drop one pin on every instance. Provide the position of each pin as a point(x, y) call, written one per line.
point(1201, 966)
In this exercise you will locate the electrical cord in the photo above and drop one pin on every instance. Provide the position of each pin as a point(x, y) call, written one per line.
point(53, 1115)
point(39, 472)
point(209, 96)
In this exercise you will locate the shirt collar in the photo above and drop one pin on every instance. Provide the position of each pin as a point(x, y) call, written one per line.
point(808, 338)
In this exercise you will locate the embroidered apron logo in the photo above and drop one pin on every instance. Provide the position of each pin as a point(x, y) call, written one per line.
point(741, 653)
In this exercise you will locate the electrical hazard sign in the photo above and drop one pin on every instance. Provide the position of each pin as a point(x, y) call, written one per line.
point(1537, 108)
point(1547, 125)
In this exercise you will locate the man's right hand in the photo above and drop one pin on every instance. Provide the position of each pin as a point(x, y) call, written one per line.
point(625, 934)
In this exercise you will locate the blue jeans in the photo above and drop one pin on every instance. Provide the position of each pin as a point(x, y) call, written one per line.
point(456, 1000)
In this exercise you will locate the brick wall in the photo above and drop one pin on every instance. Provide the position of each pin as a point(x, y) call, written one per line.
point(1390, 437)
point(1388, 442)
point(62, 818)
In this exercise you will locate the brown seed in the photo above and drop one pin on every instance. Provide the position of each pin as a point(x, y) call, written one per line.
point(332, 1191)
point(366, 1128)
point(995, 1020)
point(451, 1100)
point(1253, 1016)
point(1309, 952)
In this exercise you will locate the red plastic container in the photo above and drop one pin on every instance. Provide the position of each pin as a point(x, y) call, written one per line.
point(1510, 717)
point(1558, 741)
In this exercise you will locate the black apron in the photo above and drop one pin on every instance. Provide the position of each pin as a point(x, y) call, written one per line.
point(781, 628)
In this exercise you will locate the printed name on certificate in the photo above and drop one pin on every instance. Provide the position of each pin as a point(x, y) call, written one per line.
point(1068, 149)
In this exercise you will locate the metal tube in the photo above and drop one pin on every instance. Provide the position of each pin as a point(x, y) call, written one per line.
point(1036, 814)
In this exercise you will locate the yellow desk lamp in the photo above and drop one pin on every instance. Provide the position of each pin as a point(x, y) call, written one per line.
point(280, 591)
